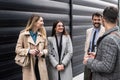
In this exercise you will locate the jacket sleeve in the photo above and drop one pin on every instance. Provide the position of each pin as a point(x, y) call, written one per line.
point(20, 46)
point(51, 50)
point(108, 53)
point(86, 43)
point(45, 50)
point(69, 52)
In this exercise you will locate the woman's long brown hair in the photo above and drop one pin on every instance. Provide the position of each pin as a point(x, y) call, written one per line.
point(54, 26)
point(33, 19)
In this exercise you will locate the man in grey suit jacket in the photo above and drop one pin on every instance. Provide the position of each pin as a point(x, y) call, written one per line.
point(90, 45)
point(106, 64)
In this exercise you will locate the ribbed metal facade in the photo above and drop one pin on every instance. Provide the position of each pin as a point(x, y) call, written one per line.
point(76, 14)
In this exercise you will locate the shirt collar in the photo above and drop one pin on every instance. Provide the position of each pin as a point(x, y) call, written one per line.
point(28, 33)
point(97, 29)
point(32, 33)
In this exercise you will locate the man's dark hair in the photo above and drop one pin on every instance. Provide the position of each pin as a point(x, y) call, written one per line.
point(96, 14)
point(110, 14)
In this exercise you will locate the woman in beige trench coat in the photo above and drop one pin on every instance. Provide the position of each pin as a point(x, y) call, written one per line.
point(32, 42)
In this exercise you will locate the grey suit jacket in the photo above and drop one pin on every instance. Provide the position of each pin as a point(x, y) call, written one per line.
point(106, 65)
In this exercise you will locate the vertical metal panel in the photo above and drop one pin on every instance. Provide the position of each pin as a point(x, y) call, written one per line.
point(119, 11)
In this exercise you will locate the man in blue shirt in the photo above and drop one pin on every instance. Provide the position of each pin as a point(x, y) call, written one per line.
point(92, 35)
point(105, 65)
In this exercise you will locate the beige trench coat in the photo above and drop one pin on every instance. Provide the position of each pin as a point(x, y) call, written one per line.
point(24, 43)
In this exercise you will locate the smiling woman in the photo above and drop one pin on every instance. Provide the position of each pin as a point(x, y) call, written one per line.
point(32, 42)
point(60, 53)
point(59, 28)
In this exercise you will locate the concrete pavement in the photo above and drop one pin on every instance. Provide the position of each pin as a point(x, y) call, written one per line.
point(79, 77)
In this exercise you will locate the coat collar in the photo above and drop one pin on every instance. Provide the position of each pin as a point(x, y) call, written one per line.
point(30, 40)
point(107, 33)
point(102, 30)
point(111, 30)
point(28, 33)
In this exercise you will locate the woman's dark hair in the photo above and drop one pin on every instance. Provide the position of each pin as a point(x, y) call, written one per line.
point(110, 14)
point(55, 25)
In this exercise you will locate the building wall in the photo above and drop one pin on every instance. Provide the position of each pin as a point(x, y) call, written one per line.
point(76, 14)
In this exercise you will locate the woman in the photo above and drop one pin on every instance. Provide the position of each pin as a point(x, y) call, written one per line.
point(32, 42)
point(60, 53)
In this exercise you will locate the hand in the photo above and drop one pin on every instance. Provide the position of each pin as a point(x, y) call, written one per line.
point(92, 55)
point(34, 51)
point(85, 59)
point(58, 67)
point(62, 67)
point(40, 53)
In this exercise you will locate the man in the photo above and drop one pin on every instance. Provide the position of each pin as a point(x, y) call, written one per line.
point(106, 64)
point(92, 35)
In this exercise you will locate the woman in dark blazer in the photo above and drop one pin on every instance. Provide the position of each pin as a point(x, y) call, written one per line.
point(60, 53)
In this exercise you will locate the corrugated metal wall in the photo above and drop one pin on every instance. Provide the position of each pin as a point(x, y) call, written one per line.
point(15, 13)
point(119, 11)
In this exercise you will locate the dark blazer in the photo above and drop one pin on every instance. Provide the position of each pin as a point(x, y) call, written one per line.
point(106, 65)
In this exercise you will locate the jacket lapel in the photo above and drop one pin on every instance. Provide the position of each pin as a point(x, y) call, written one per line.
point(63, 46)
point(38, 38)
point(89, 36)
point(55, 45)
point(102, 30)
point(30, 40)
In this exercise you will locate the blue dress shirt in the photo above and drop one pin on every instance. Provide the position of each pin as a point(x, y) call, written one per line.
point(33, 35)
point(96, 38)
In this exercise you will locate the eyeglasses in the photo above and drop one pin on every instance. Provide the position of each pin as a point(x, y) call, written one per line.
point(60, 25)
